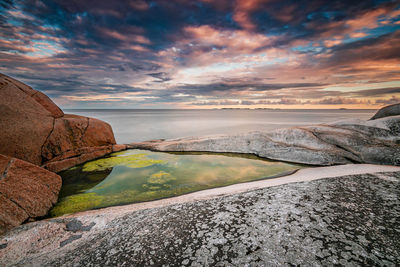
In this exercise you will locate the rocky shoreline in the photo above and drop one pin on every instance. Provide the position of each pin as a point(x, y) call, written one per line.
point(350, 141)
point(320, 216)
point(37, 140)
point(325, 221)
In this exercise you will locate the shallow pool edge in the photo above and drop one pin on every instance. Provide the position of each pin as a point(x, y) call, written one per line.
point(104, 215)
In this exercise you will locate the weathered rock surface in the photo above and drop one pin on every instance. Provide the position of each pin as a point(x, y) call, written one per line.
point(349, 141)
point(348, 220)
point(27, 191)
point(34, 129)
point(76, 139)
point(117, 148)
point(392, 110)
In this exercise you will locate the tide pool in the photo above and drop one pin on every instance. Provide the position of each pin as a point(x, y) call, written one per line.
point(140, 175)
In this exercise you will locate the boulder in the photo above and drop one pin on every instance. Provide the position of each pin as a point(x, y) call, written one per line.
point(392, 110)
point(76, 139)
point(27, 191)
point(35, 129)
point(349, 141)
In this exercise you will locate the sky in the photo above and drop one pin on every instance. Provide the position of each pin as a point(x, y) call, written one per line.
point(205, 53)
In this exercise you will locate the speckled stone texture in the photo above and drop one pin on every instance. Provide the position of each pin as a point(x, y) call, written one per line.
point(342, 142)
point(392, 110)
point(348, 220)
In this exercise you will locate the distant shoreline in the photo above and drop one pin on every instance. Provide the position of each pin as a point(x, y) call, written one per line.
point(198, 109)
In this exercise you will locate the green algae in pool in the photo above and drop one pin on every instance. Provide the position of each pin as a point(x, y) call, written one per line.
point(140, 175)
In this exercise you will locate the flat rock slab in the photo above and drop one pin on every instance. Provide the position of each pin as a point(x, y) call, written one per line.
point(347, 220)
point(343, 142)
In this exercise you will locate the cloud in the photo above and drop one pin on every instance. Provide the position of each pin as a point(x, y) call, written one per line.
point(261, 52)
point(227, 88)
point(161, 76)
point(377, 92)
point(340, 101)
point(390, 101)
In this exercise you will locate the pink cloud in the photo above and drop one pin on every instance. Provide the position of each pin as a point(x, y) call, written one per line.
point(139, 5)
point(330, 43)
point(127, 37)
point(243, 10)
point(138, 48)
point(237, 40)
point(358, 35)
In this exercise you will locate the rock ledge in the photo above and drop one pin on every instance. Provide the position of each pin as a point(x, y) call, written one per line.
point(343, 142)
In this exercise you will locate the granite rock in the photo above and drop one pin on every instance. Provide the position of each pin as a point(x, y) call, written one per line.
point(392, 110)
point(342, 142)
point(347, 220)
point(35, 129)
point(27, 191)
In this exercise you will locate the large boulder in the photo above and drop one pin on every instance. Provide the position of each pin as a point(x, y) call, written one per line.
point(34, 129)
point(392, 110)
point(27, 191)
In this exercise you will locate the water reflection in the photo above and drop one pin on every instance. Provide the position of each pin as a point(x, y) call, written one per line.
point(138, 175)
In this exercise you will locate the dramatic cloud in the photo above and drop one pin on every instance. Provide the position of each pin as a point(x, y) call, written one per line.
point(205, 53)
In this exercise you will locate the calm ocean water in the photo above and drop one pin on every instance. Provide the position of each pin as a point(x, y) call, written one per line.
point(133, 125)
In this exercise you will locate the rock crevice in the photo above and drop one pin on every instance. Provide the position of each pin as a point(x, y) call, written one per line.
point(4, 175)
point(47, 138)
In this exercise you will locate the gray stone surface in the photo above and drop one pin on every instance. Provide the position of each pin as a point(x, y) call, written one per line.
point(392, 110)
point(348, 220)
point(349, 141)
point(76, 226)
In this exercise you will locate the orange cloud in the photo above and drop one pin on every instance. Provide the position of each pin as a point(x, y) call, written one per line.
point(125, 37)
point(243, 10)
point(358, 35)
point(237, 40)
point(330, 43)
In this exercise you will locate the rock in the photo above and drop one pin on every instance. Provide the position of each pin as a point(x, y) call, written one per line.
point(117, 148)
point(27, 191)
point(76, 139)
point(350, 141)
point(60, 164)
point(392, 110)
point(25, 122)
point(345, 220)
point(39, 97)
point(34, 129)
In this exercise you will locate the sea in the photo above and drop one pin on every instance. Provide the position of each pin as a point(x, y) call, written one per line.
point(135, 125)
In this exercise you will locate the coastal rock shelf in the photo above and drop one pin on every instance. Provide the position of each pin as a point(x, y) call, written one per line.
point(349, 141)
point(342, 220)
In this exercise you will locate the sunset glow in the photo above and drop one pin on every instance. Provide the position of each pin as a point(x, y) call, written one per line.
point(205, 54)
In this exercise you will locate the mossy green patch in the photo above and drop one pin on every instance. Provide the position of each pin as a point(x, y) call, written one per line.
point(75, 203)
point(122, 178)
point(131, 161)
point(160, 177)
